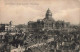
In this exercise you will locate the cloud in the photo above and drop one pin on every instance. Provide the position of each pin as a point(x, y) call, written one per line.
point(68, 10)
point(18, 15)
point(69, 15)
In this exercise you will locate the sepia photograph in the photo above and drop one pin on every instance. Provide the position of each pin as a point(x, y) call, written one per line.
point(39, 25)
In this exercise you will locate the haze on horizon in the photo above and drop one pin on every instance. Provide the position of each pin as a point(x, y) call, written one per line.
point(67, 10)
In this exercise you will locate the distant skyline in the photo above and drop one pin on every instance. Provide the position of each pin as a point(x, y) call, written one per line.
point(31, 10)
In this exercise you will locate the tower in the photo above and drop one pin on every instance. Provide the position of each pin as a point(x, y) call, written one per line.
point(10, 23)
point(48, 14)
point(10, 26)
point(49, 22)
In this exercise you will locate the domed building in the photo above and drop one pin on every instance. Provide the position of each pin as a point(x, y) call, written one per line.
point(48, 23)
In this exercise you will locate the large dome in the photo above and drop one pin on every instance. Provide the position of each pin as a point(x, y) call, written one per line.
point(48, 16)
point(48, 12)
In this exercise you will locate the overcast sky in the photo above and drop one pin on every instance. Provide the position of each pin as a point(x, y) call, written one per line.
point(22, 11)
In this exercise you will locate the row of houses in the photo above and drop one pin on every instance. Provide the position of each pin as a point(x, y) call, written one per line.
point(4, 27)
